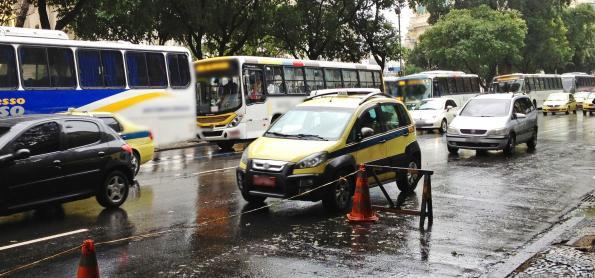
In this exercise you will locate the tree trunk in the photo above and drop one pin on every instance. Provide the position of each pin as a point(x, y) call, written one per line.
point(23, 11)
point(43, 14)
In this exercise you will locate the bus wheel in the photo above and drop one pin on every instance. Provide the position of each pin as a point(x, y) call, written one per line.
point(226, 145)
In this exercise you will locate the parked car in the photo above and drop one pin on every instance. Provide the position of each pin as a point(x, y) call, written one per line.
point(434, 113)
point(324, 139)
point(589, 104)
point(494, 122)
point(48, 159)
point(140, 138)
point(559, 102)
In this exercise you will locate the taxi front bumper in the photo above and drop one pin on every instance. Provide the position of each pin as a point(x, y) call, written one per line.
point(555, 109)
point(477, 142)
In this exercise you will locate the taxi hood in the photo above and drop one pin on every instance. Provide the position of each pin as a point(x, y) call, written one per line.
point(286, 149)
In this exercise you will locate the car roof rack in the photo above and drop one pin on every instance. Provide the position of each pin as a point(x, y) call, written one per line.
point(344, 91)
point(372, 95)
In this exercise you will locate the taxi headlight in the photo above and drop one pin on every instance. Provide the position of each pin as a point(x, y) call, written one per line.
point(312, 160)
point(499, 131)
point(244, 158)
point(452, 130)
point(235, 122)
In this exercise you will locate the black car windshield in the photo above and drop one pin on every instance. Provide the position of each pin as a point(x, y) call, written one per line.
point(311, 123)
point(486, 108)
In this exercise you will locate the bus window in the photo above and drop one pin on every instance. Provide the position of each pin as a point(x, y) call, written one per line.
point(113, 68)
point(332, 78)
point(179, 74)
point(39, 71)
point(314, 79)
point(274, 80)
point(294, 80)
point(376, 77)
point(61, 67)
point(156, 70)
point(8, 68)
point(460, 85)
point(137, 69)
point(349, 78)
point(100, 68)
point(366, 79)
point(254, 87)
point(467, 81)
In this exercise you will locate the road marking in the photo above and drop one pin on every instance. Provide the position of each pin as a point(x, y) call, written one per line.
point(42, 239)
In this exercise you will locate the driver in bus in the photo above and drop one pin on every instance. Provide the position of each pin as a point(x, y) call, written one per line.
point(256, 90)
point(229, 97)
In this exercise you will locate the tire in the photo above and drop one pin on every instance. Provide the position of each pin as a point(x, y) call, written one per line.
point(339, 196)
point(510, 146)
point(574, 111)
point(443, 126)
point(114, 190)
point(453, 150)
point(584, 113)
point(532, 143)
point(553, 113)
point(481, 152)
point(253, 199)
point(567, 112)
point(406, 183)
point(226, 145)
point(545, 113)
point(135, 161)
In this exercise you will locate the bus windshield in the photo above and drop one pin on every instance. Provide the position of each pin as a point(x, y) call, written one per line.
point(218, 94)
point(508, 86)
point(412, 91)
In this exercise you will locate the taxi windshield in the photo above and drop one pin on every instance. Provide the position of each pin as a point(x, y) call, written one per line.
point(429, 104)
point(311, 123)
point(486, 108)
point(558, 97)
point(591, 97)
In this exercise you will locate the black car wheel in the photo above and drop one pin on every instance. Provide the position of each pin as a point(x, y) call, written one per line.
point(443, 126)
point(510, 145)
point(407, 183)
point(114, 190)
point(338, 197)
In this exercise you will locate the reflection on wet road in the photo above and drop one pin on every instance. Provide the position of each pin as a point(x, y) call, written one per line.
point(485, 207)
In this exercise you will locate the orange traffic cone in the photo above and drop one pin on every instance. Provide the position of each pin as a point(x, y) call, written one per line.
point(88, 267)
point(362, 208)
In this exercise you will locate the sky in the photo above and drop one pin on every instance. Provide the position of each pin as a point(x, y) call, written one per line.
point(405, 17)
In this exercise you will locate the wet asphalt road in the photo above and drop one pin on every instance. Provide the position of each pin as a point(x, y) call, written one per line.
point(485, 208)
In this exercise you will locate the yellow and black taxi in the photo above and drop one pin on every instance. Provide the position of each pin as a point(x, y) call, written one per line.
point(559, 102)
point(140, 138)
point(589, 104)
point(322, 140)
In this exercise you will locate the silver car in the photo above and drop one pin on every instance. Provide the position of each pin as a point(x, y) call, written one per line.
point(494, 122)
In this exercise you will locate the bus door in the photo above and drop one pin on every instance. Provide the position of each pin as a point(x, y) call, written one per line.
point(256, 111)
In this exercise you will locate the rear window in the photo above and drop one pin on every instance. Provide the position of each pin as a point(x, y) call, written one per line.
point(81, 133)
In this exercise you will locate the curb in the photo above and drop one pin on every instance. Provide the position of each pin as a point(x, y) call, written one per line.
point(181, 146)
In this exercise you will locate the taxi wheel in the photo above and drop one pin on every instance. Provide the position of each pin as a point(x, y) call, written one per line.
point(253, 199)
point(407, 183)
point(584, 113)
point(226, 145)
point(510, 146)
point(545, 113)
point(443, 126)
point(338, 197)
point(114, 190)
point(574, 111)
point(135, 160)
point(567, 112)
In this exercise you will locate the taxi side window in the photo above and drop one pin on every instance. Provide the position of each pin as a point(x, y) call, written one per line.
point(40, 139)
point(403, 115)
point(112, 122)
point(390, 117)
point(370, 119)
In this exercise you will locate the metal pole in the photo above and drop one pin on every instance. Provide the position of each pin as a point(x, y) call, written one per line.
point(398, 11)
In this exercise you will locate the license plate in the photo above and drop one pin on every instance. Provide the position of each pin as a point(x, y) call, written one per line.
point(263, 181)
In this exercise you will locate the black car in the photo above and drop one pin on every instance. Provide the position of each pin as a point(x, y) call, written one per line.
point(47, 159)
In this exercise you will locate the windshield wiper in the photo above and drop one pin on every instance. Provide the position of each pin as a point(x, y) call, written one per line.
point(278, 134)
point(302, 135)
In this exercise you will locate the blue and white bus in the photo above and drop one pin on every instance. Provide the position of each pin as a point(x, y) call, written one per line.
point(43, 71)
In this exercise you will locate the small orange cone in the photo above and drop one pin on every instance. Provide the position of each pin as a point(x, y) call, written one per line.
point(362, 208)
point(88, 267)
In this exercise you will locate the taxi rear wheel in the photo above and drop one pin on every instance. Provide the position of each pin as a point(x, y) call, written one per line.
point(135, 160)
point(408, 182)
point(338, 197)
point(226, 145)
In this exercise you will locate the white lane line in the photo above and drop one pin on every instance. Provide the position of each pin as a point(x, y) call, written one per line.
point(42, 239)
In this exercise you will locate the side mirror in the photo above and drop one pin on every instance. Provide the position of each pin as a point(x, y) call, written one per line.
point(22, 154)
point(449, 107)
point(520, 115)
point(367, 132)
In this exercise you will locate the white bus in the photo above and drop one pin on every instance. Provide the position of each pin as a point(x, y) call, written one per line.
point(574, 82)
point(238, 97)
point(412, 89)
point(536, 86)
point(43, 71)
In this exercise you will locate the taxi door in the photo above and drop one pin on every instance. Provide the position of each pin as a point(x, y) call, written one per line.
point(370, 149)
point(398, 135)
point(256, 113)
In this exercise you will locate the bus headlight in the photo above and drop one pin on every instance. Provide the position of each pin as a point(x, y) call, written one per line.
point(235, 122)
point(312, 160)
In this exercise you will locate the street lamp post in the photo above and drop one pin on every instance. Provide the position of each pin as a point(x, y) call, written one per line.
point(398, 12)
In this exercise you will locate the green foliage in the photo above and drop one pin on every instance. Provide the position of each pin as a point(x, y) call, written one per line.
point(580, 22)
point(7, 12)
point(475, 40)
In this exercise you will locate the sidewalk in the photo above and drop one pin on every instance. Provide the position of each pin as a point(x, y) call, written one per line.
point(572, 254)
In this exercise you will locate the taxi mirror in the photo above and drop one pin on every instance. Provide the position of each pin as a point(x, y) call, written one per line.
point(367, 132)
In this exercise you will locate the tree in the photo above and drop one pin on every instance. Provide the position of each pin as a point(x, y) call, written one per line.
point(580, 22)
point(7, 10)
point(478, 40)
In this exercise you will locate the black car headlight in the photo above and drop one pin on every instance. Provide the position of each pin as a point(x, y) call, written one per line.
point(312, 160)
point(235, 122)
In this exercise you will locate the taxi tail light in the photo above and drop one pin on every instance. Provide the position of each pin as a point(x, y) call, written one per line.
point(126, 148)
point(151, 135)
